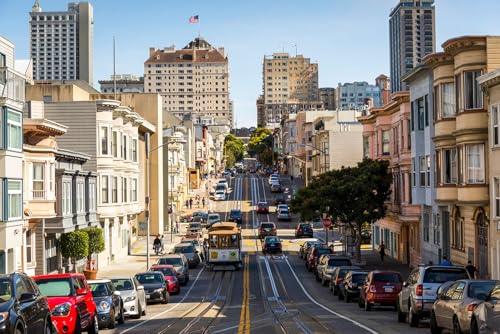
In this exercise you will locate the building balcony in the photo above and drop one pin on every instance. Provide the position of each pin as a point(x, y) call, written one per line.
point(446, 194)
point(12, 85)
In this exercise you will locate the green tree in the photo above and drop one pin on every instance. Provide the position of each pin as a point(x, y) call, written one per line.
point(261, 145)
point(74, 246)
point(96, 243)
point(353, 196)
point(234, 149)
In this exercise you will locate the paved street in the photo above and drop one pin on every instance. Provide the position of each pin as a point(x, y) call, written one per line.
point(271, 294)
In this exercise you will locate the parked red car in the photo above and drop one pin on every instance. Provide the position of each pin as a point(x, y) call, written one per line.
point(316, 252)
point(262, 207)
point(381, 288)
point(70, 301)
point(170, 274)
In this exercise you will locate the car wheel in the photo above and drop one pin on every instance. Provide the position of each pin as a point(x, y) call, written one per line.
point(139, 310)
point(18, 330)
point(112, 319)
point(401, 314)
point(330, 287)
point(368, 307)
point(144, 310)
point(360, 302)
point(121, 318)
point(347, 298)
point(340, 295)
point(335, 290)
point(318, 279)
point(323, 282)
point(48, 326)
point(456, 326)
point(435, 329)
point(78, 326)
point(165, 299)
point(413, 319)
point(474, 327)
point(94, 326)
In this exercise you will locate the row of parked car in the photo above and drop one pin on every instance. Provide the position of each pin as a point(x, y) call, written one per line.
point(446, 295)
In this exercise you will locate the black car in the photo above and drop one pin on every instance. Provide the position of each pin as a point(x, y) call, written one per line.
point(271, 244)
point(154, 286)
point(108, 302)
point(304, 230)
point(22, 307)
point(235, 216)
point(279, 199)
point(350, 288)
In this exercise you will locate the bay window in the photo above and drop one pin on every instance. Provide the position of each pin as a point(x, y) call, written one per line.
point(14, 199)
point(114, 190)
point(449, 164)
point(494, 125)
point(14, 130)
point(448, 108)
point(422, 171)
point(104, 189)
point(475, 163)
point(104, 140)
point(134, 150)
point(80, 204)
point(473, 97)
point(66, 198)
point(92, 197)
point(38, 180)
point(114, 144)
point(124, 147)
point(386, 142)
point(496, 196)
point(124, 190)
point(133, 190)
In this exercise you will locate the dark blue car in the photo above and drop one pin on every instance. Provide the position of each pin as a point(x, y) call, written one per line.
point(271, 244)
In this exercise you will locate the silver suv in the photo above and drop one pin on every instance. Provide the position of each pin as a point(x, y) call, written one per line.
point(327, 264)
point(419, 291)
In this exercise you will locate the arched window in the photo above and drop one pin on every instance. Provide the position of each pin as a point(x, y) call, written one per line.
point(458, 231)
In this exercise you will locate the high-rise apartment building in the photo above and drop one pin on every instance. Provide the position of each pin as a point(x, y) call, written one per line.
point(411, 37)
point(357, 96)
point(193, 80)
point(124, 83)
point(290, 84)
point(327, 97)
point(61, 43)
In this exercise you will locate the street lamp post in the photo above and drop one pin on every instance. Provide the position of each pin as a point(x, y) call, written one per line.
point(317, 149)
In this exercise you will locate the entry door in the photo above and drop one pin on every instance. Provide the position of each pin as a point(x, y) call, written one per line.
point(482, 244)
point(446, 234)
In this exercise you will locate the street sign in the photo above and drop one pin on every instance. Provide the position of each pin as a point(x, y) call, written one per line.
point(327, 222)
point(277, 148)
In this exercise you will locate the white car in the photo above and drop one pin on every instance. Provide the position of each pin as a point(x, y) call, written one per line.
point(220, 195)
point(132, 294)
point(281, 206)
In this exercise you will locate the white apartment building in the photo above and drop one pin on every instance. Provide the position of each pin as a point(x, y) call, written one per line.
point(12, 98)
point(61, 43)
point(193, 80)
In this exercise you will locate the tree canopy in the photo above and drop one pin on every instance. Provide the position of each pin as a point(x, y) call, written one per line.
point(261, 145)
point(351, 196)
point(234, 149)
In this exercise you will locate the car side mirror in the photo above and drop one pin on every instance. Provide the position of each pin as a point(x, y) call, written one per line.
point(27, 297)
point(405, 284)
point(116, 293)
point(81, 292)
point(140, 287)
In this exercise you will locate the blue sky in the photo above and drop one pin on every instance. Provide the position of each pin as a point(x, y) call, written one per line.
point(348, 38)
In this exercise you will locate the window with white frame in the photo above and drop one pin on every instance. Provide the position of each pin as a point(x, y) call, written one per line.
point(130, 148)
point(386, 145)
point(104, 189)
point(80, 204)
point(114, 189)
point(124, 147)
point(448, 108)
point(29, 247)
point(104, 140)
point(427, 170)
point(92, 197)
point(134, 150)
point(413, 172)
point(496, 196)
point(114, 144)
point(38, 180)
point(449, 165)
point(52, 173)
point(422, 171)
point(420, 113)
point(366, 147)
point(66, 198)
point(124, 190)
point(133, 190)
point(494, 125)
point(473, 97)
point(14, 130)
point(14, 199)
point(475, 163)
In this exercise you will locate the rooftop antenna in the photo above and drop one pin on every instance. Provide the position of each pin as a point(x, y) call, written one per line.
point(114, 67)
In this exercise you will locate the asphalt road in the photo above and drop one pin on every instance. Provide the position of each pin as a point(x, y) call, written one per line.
point(270, 294)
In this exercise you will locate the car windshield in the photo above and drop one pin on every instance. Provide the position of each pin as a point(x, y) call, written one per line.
point(5, 290)
point(481, 289)
point(173, 261)
point(338, 262)
point(60, 287)
point(305, 226)
point(358, 278)
point(213, 216)
point(284, 211)
point(441, 275)
point(387, 277)
point(149, 278)
point(271, 240)
point(235, 213)
point(183, 249)
point(264, 225)
point(165, 271)
point(123, 284)
point(262, 205)
point(321, 251)
point(99, 289)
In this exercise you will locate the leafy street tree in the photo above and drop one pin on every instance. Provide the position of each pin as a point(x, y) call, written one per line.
point(351, 196)
point(261, 145)
point(234, 149)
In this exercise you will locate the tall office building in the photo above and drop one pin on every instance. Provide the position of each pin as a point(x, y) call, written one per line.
point(61, 43)
point(290, 84)
point(193, 80)
point(356, 96)
point(412, 36)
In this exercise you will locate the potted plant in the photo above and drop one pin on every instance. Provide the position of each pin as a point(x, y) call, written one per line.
point(74, 246)
point(96, 245)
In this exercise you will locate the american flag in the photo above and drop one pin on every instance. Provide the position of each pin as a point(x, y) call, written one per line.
point(194, 19)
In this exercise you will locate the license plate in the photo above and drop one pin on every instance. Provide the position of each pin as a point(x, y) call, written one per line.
point(148, 297)
point(388, 289)
point(272, 245)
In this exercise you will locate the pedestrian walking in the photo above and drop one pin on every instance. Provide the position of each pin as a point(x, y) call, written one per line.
point(162, 244)
point(445, 262)
point(191, 203)
point(471, 269)
point(381, 251)
point(187, 204)
point(203, 201)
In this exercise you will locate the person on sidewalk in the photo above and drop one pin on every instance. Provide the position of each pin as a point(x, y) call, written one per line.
point(162, 244)
point(157, 244)
point(381, 251)
point(191, 203)
point(445, 262)
point(471, 269)
point(203, 201)
point(187, 204)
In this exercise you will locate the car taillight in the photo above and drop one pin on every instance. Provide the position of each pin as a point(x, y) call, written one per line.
point(300, 229)
point(471, 307)
point(419, 290)
point(337, 281)
point(373, 288)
